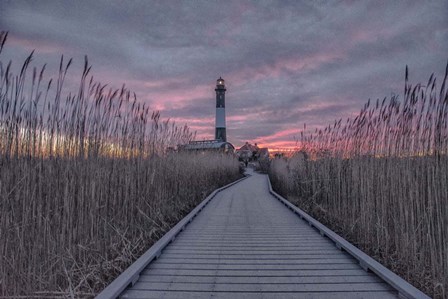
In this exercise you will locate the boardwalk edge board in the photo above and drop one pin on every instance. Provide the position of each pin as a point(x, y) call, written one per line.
point(132, 273)
point(405, 289)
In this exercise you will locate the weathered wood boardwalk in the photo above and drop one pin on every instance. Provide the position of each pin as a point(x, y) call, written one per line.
point(246, 244)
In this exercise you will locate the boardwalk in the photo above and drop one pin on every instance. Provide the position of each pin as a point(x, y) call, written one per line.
point(246, 244)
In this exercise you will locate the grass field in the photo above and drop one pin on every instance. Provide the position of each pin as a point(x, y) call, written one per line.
point(381, 180)
point(87, 181)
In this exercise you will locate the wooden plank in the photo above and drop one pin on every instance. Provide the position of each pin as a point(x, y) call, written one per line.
point(320, 241)
point(267, 234)
point(306, 250)
point(264, 273)
point(253, 247)
point(338, 260)
point(260, 267)
point(138, 294)
point(290, 256)
point(249, 259)
point(263, 287)
point(249, 237)
point(251, 279)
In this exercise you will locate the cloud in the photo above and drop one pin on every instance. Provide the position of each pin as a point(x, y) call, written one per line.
point(285, 62)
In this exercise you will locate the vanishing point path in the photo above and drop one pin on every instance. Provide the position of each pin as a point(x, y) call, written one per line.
point(246, 244)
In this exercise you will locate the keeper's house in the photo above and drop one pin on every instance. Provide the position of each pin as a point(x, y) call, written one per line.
point(209, 145)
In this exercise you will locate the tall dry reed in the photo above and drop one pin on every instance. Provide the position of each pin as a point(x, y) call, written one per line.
point(381, 180)
point(86, 181)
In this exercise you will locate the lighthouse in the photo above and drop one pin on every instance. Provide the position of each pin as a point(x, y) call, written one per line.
point(220, 125)
point(220, 142)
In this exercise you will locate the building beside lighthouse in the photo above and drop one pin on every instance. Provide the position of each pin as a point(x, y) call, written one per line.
point(220, 142)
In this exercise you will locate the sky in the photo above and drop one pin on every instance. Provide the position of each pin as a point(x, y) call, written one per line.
point(285, 63)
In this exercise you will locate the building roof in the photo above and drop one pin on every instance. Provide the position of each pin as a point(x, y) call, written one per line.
point(249, 147)
point(248, 150)
point(208, 144)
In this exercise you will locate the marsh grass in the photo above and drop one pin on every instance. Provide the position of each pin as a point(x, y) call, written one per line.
point(381, 180)
point(86, 181)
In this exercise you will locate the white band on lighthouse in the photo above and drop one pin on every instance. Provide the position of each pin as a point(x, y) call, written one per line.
point(220, 118)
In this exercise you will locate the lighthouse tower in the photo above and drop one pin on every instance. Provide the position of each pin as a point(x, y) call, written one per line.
point(220, 131)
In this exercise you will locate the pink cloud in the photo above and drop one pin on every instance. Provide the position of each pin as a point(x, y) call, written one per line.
point(279, 134)
point(280, 139)
point(278, 146)
point(163, 95)
point(157, 84)
point(40, 45)
point(206, 122)
point(177, 99)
